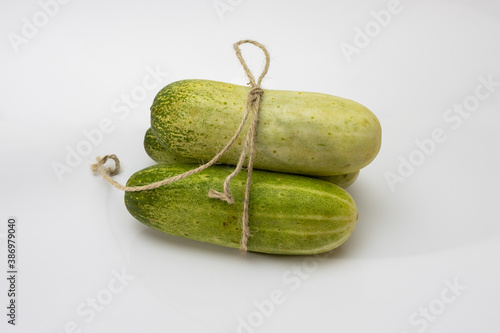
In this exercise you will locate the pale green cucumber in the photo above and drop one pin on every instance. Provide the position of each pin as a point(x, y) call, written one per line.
point(160, 154)
point(289, 214)
point(298, 132)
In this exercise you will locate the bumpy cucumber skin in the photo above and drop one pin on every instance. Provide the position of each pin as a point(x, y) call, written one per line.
point(289, 214)
point(302, 133)
point(160, 154)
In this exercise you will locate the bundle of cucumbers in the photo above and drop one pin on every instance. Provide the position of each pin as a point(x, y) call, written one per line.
point(309, 147)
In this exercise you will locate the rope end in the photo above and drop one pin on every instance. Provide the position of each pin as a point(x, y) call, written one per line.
point(101, 161)
point(213, 194)
point(95, 166)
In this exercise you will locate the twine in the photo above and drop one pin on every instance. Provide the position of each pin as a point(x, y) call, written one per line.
point(253, 104)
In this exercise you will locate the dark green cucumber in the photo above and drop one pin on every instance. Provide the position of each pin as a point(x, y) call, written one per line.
point(160, 154)
point(343, 181)
point(289, 214)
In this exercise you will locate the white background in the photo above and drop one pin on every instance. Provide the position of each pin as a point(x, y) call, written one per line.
point(438, 225)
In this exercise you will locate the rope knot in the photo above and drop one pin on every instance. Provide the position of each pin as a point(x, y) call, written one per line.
point(255, 94)
point(100, 162)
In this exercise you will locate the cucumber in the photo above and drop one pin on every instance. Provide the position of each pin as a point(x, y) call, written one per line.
point(343, 181)
point(289, 214)
point(160, 154)
point(299, 132)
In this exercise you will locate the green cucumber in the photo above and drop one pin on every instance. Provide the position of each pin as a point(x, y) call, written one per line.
point(299, 132)
point(160, 154)
point(343, 181)
point(289, 214)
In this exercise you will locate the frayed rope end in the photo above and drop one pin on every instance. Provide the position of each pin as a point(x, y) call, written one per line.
point(101, 161)
point(213, 194)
